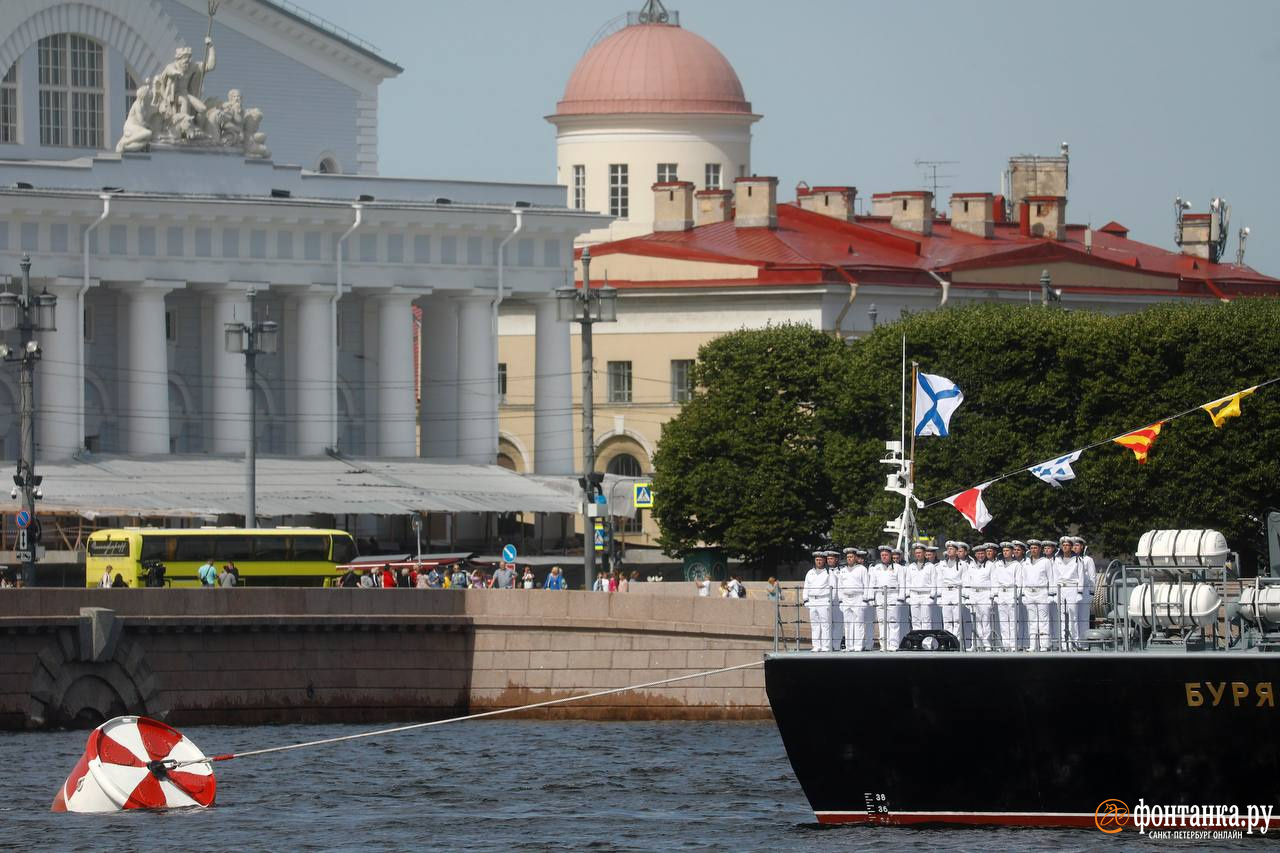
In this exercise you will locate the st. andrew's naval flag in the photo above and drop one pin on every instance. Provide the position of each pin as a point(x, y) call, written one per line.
point(937, 398)
point(1055, 471)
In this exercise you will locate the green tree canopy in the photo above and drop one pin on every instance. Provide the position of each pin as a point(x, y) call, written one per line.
point(781, 444)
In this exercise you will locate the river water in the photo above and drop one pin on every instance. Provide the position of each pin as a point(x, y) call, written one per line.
point(486, 785)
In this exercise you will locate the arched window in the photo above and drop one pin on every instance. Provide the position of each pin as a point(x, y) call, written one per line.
point(130, 91)
point(328, 166)
point(9, 105)
point(625, 465)
point(71, 91)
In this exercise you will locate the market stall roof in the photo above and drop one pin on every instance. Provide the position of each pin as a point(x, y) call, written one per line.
point(210, 485)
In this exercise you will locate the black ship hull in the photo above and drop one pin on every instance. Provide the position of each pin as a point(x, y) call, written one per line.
point(1025, 739)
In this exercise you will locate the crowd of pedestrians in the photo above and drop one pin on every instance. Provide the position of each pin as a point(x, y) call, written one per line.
point(451, 576)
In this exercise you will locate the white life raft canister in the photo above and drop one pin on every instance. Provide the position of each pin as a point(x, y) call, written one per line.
point(121, 768)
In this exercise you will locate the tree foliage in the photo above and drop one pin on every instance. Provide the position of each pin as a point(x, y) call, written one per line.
point(780, 446)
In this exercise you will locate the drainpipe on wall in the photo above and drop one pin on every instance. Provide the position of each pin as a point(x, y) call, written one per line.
point(946, 287)
point(80, 294)
point(853, 294)
point(519, 215)
point(333, 320)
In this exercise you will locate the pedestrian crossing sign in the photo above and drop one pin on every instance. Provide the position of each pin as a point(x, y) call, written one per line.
point(643, 498)
point(599, 537)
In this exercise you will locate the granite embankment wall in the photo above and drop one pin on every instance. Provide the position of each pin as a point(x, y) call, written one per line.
point(237, 656)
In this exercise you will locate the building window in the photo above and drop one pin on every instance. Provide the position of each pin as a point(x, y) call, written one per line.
point(337, 344)
point(502, 382)
point(171, 326)
point(681, 380)
point(667, 173)
point(130, 91)
point(618, 191)
point(71, 91)
point(713, 176)
point(619, 382)
point(9, 105)
point(327, 166)
point(89, 323)
point(625, 465)
point(579, 187)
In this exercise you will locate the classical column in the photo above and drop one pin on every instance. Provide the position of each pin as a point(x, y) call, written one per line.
point(311, 374)
point(59, 393)
point(146, 368)
point(395, 428)
point(225, 424)
point(552, 391)
point(477, 382)
point(438, 360)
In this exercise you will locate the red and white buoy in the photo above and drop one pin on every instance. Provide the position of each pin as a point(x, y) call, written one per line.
point(137, 763)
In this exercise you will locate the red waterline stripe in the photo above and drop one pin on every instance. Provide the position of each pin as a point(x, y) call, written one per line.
point(966, 818)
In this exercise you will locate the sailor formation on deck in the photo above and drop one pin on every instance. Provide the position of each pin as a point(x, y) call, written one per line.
point(1016, 595)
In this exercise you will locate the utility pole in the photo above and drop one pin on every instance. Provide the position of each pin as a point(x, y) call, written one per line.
point(253, 339)
point(29, 314)
point(588, 307)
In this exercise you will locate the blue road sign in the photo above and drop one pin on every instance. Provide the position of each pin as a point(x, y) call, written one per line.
point(643, 498)
point(508, 553)
point(23, 518)
point(599, 539)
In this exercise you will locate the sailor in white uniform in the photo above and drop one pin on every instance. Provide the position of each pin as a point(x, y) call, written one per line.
point(931, 560)
point(1039, 593)
point(981, 599)
point(948, 576)
point(819, 586)
point(1089, 576)
point(886, 580)
point(921, 591)
point(1069, 571)
point(837, 620)
point(854, 600)
point(1006, 580)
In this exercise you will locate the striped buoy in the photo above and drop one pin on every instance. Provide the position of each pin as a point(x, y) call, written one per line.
point(128, 763)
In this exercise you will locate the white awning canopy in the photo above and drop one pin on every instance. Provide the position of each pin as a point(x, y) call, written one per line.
point(206, 485)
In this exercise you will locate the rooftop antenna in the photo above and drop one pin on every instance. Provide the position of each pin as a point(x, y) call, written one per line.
point(931, 176)
point(654, 12)
point(1244, 235)
point(1180, 206)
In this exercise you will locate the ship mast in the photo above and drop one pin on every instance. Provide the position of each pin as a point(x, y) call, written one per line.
point(902, 481)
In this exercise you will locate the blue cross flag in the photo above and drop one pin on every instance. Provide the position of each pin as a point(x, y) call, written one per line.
point(1055, 471)
point(937, 398)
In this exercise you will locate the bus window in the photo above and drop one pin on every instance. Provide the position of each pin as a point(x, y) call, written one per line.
point(273, 548)
point(193, 549)
point(108, 547)
point(234, 548)
point(311, 547)
point(157, 547)
point(344, 550)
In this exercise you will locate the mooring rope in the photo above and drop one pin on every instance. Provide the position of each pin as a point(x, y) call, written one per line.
point(173, 764)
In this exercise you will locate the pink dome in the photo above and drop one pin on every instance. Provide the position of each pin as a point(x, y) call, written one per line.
point(653, 68)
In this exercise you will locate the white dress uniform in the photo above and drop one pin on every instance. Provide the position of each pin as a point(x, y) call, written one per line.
point(852, 594)
point(886, 581)
point(949, 577)
point(1039, 592)
point(979, 595)
point(1090, 572)
point(1006, 580)
point(819, 589)
point(1069, 573)
point(920, 594)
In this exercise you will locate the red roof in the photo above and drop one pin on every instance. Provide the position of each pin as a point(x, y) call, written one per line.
point(809, 248)
point(1115, 228)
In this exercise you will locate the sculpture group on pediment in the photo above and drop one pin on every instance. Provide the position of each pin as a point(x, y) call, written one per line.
point(171, 110)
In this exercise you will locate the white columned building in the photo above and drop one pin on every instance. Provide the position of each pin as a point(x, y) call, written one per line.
point(553, 421)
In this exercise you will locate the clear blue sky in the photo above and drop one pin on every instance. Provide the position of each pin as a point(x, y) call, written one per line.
point(1157, 97)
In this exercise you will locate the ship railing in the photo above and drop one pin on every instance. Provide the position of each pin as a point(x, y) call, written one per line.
point(1166, 616)
point(1263, 623)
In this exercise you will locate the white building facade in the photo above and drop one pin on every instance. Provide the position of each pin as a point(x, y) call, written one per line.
point(151, 253)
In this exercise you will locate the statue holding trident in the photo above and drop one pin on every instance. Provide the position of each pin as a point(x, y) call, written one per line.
point(180, 85)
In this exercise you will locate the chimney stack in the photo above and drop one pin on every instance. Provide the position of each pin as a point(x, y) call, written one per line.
point(673, 206)
point(974, 213)
point(1035, 175)
point(713, 206)
point(1047, 216)
point(836, 202)
point(1196, 234)
point(755, 202)
point(911, 210)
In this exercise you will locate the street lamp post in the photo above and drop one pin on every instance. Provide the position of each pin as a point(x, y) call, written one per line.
point(28, 313)
point(253, 338)
point(588, 306)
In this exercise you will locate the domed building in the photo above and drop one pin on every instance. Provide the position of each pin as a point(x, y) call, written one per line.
point(650, 103)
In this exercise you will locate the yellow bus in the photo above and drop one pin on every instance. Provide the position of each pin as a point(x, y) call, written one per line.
point(279, 556)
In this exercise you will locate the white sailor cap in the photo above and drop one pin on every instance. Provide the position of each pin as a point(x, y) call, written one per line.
point(1064, 538)
point(888, 548)
point(848, 551)
point(931, 546)
point(951, 543)
point(964, 545)
point(1018, 543)
point(819, 553)
point(1005, 544)
point(920, 545)
point(1049, 543)
point(1077, 540)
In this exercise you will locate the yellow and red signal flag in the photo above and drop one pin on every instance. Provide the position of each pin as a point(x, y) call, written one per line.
point(1140, 440)
point(1227, 407)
